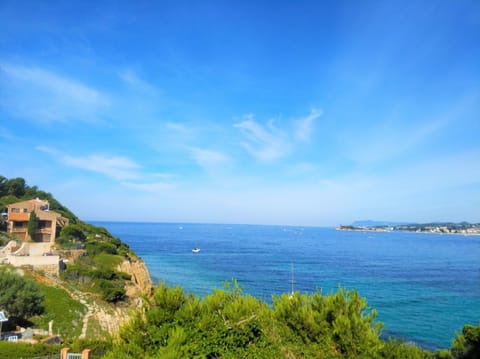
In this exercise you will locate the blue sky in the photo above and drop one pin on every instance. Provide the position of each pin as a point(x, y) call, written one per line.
point(271, 112)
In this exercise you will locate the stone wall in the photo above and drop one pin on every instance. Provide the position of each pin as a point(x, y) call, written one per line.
point(71, 254)
point(38, 249)
point(49, 264)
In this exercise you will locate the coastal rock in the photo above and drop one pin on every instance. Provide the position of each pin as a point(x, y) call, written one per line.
point(140, 283)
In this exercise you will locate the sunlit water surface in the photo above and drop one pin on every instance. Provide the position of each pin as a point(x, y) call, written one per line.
point(425, 287)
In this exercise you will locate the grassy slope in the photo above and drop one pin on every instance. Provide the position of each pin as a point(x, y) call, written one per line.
point(66, 312)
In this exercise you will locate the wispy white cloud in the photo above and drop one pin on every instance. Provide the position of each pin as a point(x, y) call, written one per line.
point(131, 78)
point(6, 134)
point(116, 167)
point(177, 127)
point(387, 141)
point(393, 136)
point(269, 143)
point(266, 143)
point(152, 187)
point(122, 169)
point(303, 168)
point(45, 96)
point(304, 126)
point(208, 158)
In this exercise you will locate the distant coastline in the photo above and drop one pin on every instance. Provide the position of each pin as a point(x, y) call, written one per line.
point(463, 228)
point(362, 229)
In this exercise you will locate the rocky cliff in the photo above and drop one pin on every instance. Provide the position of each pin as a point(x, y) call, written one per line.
point(141, 283)
point(111, 317)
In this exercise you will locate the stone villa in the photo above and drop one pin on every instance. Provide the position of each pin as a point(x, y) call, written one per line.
point(36, 251)
point(48, 221)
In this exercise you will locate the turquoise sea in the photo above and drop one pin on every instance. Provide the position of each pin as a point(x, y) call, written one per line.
point(425, 287)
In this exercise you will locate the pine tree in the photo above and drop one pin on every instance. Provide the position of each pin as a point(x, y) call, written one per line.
point(32, 224)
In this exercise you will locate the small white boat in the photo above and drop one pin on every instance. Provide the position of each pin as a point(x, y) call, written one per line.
point(196, 250)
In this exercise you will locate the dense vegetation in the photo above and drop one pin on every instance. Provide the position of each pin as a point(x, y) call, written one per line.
point(16, 189)
point(4, 238)
point(20, 297)
point(229, 324)
point(95, 272)
point(32, 304)
point(23, 350)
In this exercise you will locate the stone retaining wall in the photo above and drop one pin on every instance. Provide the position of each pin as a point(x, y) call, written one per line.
point(49, 264)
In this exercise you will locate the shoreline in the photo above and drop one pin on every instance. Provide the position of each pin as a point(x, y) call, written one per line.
point(375, 230)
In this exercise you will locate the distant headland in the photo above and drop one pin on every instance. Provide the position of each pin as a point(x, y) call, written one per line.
point(464, 228)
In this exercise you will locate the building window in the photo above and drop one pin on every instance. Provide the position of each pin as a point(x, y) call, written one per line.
point(25, 210)
point(15, 210)
point(44, 224)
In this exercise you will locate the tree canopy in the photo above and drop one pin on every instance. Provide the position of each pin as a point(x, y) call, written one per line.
point(32, 224)
point(19, 296)
point(16, 189)
point(229, 324)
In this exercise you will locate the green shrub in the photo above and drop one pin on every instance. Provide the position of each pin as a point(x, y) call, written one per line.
point(396, 349)
point(23, 350)
point(77, 272)
point(19, 296)
point(467, 344)
point(105, 260)
point(74, 232)
point(232, 325)
point(96, 247)
point(111, 290)
point(4, 238)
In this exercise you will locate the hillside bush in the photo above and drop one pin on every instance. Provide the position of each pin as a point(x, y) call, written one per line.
point(73, 232)
point(229, 324)
point(467, 344)
point(23, 350)
point(20, 297)
point(111, 290)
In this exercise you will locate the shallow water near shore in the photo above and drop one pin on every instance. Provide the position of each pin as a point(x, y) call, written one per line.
point(425, 287)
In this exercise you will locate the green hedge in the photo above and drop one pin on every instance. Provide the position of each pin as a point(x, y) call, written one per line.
point(23, 350)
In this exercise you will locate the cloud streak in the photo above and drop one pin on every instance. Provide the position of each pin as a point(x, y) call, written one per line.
point(151, 187)
point(45, 96)
point(388, 141)
point(208, 158)
point(269, 143)
point(118, 168)
point(122, 169)
point(115, 167)
point(304, 127)
point(265, 143)
point(131, 78)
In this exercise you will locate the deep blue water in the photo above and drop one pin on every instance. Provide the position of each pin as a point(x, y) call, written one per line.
point(425, 287)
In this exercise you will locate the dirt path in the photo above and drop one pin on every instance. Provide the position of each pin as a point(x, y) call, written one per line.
point(108, 317)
